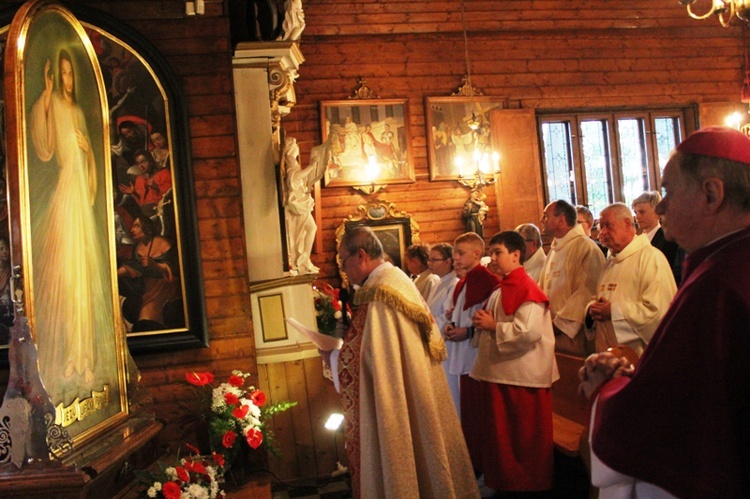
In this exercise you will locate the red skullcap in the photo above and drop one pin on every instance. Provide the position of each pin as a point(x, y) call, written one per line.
point(718, 142)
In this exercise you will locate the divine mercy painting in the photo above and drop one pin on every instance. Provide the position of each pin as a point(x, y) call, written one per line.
point(63, 179)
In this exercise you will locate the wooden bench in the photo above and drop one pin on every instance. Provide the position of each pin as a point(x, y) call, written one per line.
point(569, 408)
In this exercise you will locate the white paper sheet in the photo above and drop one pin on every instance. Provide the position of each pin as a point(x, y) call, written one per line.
point(323, 342)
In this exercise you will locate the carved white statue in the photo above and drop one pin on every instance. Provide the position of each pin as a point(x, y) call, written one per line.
point(294, 21)
point(299, 202)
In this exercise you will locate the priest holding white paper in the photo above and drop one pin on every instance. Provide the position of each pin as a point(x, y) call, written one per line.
point(400, 439)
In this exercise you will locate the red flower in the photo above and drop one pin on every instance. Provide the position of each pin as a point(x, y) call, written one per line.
point(197, 468)
point(193, 449)
point(228, 439)
point(219, 459)
point(254, 438)
point(241, 412)
point(236, 380)
point(182, 474)
point(258, 398)
point(171, 490)
point(199, 379)
point(231, 399)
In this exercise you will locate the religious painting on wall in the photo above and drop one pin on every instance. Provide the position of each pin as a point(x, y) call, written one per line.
point(159, 277)
point(456, 127)
point(368, 140)
point(59, 178)
point(396, 230)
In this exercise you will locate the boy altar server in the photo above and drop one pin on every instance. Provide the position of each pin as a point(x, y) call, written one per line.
point(470, 294)
point(515, 368)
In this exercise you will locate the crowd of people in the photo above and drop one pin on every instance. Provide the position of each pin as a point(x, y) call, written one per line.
point(495, 329)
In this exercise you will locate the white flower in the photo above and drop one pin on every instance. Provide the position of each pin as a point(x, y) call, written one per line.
point(171, 473)
point(218, 402)
point(151, 492)
point(214, 489)
point(157, 485)
point(337, 314)
point(254, 410)
point(197, 491)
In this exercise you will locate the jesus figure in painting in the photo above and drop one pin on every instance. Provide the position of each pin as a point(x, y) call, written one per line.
point(70, 284)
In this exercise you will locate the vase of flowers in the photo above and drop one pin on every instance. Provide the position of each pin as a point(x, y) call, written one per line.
point(237, 415)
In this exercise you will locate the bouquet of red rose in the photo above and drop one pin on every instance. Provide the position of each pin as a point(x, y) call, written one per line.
point(238, 413)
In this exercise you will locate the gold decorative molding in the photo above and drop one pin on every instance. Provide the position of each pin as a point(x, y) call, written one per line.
point(466, 90)
point(363, 91)
point(81, 409)
point(378, 214)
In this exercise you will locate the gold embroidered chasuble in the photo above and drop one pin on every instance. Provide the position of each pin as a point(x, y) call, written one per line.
point(402, 432)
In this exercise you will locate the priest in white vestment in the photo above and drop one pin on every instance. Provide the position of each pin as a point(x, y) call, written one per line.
point(570, 275)
point(401, 439)
point(535, 255)
point(635, 288)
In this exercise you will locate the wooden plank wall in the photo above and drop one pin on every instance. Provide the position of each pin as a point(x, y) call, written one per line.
point(539, 54)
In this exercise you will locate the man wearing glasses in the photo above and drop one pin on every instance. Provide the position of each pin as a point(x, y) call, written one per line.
point(400, 439)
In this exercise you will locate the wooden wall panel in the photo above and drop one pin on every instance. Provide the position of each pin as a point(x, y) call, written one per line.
point(543, 55)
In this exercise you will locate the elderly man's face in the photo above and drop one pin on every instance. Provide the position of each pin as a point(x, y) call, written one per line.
point(680, 209)
point(351, 264)
point(615, 232)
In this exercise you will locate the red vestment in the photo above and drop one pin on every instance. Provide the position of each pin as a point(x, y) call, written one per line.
point(682, 421)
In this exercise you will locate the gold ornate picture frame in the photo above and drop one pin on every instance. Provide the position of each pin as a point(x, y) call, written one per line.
point(366, 132)
point(160, 314)
point(448, 131)
point(61, 223)
point(395, 229)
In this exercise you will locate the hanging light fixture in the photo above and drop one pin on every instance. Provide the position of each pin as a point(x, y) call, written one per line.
point(476, 168)
point(725, 10)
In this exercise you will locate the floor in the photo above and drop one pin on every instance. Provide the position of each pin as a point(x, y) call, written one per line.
point(571, 482)
point(326, 488)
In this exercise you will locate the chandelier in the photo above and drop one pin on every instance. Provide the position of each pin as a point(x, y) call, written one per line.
point(725, 10)
point(477, 168)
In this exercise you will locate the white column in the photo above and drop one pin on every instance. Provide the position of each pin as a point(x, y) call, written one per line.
point(264, 74)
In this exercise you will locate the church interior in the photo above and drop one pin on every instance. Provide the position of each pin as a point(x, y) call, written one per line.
point(244, 79)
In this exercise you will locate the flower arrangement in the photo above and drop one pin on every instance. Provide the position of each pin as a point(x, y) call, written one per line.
point(195, 477)
point(236, 414)
point(328, 309)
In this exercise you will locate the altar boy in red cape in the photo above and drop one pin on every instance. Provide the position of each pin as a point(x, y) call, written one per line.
point(679, 425)
point(471, 294)
point(515, 368)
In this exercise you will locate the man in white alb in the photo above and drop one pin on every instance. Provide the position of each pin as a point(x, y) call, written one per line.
point(634, 289)
point(536, 256)
point(570, 275)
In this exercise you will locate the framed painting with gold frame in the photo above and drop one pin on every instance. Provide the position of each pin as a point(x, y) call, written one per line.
point(369, 142)
point(396, 230)
point(59, 173)
point(148, 119)
point(448, 130)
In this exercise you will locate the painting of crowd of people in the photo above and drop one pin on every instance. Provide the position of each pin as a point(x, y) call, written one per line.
point(368, 142)
point(148, 254)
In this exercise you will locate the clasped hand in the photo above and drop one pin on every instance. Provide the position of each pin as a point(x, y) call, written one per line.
point(601, 367)
point(453, 333)
point(601, 310)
